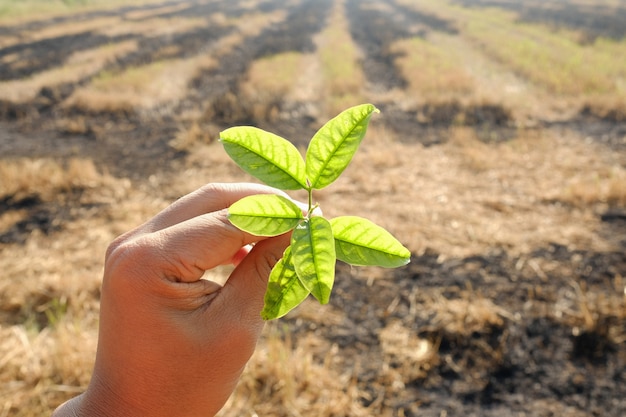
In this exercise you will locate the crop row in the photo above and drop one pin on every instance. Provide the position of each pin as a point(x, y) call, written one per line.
point(236, 62)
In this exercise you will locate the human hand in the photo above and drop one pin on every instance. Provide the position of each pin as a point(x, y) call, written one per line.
point(171, 343)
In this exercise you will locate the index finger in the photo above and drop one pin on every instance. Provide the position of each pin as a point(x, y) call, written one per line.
point(209, 198)
point(184, 251)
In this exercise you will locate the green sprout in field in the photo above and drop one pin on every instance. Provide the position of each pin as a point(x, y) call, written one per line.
point(308, 264)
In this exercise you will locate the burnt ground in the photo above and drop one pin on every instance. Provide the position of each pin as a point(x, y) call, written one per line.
point(374, 30)
point(595, 20)
point(529, 363)
point(113, 139)
point(532, 362)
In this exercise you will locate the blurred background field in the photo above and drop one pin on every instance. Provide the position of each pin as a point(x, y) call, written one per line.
point(498, 159)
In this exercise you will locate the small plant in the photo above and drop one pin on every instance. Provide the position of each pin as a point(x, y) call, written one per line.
point(308, 264)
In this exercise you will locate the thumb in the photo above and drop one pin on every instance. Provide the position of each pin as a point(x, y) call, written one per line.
point(243, 293)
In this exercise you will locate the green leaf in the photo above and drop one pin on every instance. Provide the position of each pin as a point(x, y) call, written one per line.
point(284, 289)
point(265, 214)
point(266, 156)
point(331, 149)
point(359, 241)
point(313, 249)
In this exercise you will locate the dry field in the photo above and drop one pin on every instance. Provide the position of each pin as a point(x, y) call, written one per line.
point(499, 159)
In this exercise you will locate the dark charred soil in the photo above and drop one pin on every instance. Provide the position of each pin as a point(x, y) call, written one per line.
point(375, 29)
point(596, 20)
point(534, 361)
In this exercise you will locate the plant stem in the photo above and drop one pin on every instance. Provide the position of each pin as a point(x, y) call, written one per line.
point(310, 211)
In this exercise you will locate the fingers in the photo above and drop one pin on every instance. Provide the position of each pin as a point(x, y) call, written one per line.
point(184, 251)
point(210, 198)
point(240, 255)
point(244, 291)
point(191, 236)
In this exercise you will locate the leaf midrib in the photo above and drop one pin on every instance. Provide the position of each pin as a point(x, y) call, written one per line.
point(267, 216)
point(330, 157)
point(266, 159)
point(318, 282)
point(368, 247)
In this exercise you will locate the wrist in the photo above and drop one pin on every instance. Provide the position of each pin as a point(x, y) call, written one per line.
point(100, 401)
point(70, 408)
point(80, 406)
point(94, 402)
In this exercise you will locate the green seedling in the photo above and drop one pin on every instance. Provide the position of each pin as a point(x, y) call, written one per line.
point(308, 264)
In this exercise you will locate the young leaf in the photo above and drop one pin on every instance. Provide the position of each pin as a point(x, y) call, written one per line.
point(284, 289)
point(331, 149)
point(359, 241)
point(266, 156)
point(265, 214)
point(313, 250)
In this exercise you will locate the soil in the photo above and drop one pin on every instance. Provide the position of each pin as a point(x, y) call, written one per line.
point(594, 20)
point(528, 362)
point(517, 366)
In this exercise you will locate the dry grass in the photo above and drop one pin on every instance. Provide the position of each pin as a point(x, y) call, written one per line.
point(586, 310)
point(470, 313)
point(466, 196)
point(607, 107)
point(44, 367)
point(431, 72)
point(196, 126)
point(457, 199)
point(19, 12)
point(153, 27)
point(533, 69)
point(551, 59)
point(192, 134)
point(251, 24)
point(407, 357)
point(248, 25)
point(49, 288)
point(48, 327)
point(269, 82)
point(78, 66)
point(275, 74)
point(47, 177)
point(71, 28)
point(342, 77)
point(140, 88)
point(288, 379)
point(60, 29)
point(145, 14)
point(605, 186)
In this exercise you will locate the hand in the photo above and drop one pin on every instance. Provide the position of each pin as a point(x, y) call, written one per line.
point(171, 343)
